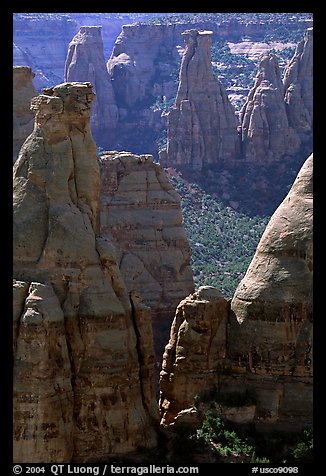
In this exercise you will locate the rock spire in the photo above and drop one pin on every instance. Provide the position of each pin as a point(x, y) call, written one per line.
point(85, 62)
point(202, 126)
point(266, 133)
point(298, 87)
point(84, 384)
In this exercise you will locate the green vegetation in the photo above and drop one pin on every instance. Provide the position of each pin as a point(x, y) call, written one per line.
point(223, 241)
point(224, 440)
point(303, 451)
point(278, 18)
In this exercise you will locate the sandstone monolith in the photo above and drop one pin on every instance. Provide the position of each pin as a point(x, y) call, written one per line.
point(83, 389)
point(85, 62)
point(265, 130)
point(263, 343)
point(202, 126)
point(298, 87)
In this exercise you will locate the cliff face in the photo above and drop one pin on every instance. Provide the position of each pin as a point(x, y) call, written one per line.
point(83, 351)
point(202, 127)
point(141, 62)
point(266, 133)
point(23, 117)
point(42, 39)
point(141, 214)
point(267, 344)
point(196, 347)
point(142, 67)
point(85, 62)
point(298, 87)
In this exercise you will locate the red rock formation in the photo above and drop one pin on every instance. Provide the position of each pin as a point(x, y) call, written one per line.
point(23, 117)
point(141, 214)
point(265, 343)
point(85, 62)
point(83, 349)
point(202, 127)
point(265, 131)
point(298, 86)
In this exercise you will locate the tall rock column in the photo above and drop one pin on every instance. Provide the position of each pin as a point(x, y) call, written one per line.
point(202, 126)
point(298, 87)
point(266, 133)
point(83, 389)
point(85, 62)
point(23, 117)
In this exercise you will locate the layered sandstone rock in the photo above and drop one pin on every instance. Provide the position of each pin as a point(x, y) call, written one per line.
point(83, 351)
point(141, 214)
point(265, 130)
point(85, 62)
point(273, 302)
point(141, 62)
point(202, 127)
point(267, 345)
point(298, 86)
point(23, 117)
point(195, 351)
point(142, 67)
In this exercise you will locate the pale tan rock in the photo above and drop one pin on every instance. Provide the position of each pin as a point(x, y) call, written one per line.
point(196, 349)
point(202, 126)
point(109, 408)
point(298, 87)
point(263, 343)
point(273, 302)
point(85, 62)
point(141, 214)
point(23, 117)
point(43, 396)
point(265, 130)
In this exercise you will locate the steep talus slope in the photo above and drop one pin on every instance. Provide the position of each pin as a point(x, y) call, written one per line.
point(84, 385)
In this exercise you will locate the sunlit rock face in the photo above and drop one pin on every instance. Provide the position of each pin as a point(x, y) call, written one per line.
point(202, 126)
point(298, 87)
point(84, 385)
point(263, 342)
point(141, 213)
point(265, 130)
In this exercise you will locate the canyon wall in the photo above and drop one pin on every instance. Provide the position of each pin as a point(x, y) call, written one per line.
point(263, 343)
point(23, 117)
point(84, 385)
point(85, 62)
point(141, 214)
point(41, 39)
point(202, 126)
